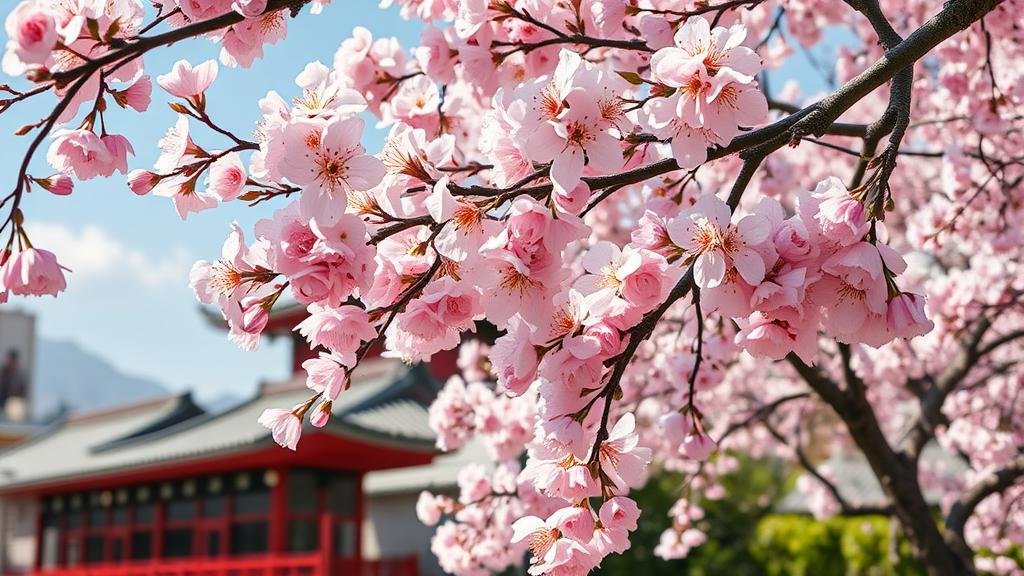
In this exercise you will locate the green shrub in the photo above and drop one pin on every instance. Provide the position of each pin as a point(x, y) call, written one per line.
point(789, 544)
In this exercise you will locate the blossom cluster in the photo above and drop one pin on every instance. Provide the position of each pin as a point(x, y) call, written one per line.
point(564, 172)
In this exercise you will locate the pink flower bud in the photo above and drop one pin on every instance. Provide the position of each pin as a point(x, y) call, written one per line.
point(699, 446)
point(619, 512)
point(59, 184)
point(428, 508)
point(675, 426)
point(905, 316)
point(842, 218)
point(255, 314)
point(142, 181)
point(321, 415)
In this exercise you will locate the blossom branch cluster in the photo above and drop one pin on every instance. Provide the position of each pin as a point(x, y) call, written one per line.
point(609, 186)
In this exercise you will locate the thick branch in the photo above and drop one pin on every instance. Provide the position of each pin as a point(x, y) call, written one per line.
point(955, 16)
point(144, 44)
point(994, 483)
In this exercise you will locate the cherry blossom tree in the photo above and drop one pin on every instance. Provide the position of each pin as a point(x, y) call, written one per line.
point(683, 263)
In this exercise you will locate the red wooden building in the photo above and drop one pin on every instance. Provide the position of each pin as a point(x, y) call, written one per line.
point(164, 489)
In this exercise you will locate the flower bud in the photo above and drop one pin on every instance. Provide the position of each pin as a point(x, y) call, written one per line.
point(321, 415)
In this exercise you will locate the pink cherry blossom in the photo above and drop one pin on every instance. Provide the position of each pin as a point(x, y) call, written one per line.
point(326, 375)
point(624, 461)
point(198, 10)
point(249, 8)
point(708, 77)
point(33, 272)
point(82, 153)
point(227, 177)
point(284, 425)
point(142, 182)
point(187, 82)
point(32, 34)
point(514, 356)
point(842, 218)
point(137, 96)
point(328, 158)
point(429, 508)
point(549, 548)
point(706, 235)
point(340, 330)
point(640, 277)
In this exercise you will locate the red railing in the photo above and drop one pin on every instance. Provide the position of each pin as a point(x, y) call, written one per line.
point(291, 565)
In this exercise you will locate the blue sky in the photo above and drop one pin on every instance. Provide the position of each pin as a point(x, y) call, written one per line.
point(128, 299)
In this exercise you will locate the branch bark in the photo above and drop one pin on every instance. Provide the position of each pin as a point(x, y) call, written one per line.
point(994, 483)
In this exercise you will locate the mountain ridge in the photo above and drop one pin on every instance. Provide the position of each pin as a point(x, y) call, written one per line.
point(69, 376)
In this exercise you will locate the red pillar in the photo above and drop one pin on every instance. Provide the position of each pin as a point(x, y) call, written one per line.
point(159, 518)
point(278, 517)
point(278, 512)
point(39, 533)
point(326, 539)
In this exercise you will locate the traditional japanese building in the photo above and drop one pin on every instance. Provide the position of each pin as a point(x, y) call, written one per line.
point(164, 488)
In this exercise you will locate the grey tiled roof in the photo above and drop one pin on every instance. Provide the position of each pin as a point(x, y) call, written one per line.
point(438, 476)
point(385, 405)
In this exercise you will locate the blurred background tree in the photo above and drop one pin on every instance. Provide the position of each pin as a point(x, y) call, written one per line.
point(747, 537)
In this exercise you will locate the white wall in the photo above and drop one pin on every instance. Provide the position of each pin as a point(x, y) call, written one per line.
point(18, 518)
point(391, 529)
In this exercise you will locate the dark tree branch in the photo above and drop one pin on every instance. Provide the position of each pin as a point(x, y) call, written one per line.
point(963, 508)
point(935, 396)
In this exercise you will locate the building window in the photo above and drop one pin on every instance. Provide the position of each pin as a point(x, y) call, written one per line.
point(213, 522)
point(303, 535)
point(142, 545)
point(252, 503)
point(96, 531)
point(214, 506)
point(249, 537)
point(304, 498)
point(250, 523)
point(342, 494)
point(49, 554)
point(213, 543)
point(179, 529)
point(141, 541)
point(94, 549)
point(181, 509)
point(303, 492)
point(212, 517)
point(177, 542)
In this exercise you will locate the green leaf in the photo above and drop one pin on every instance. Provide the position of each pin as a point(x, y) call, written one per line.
point(631, 77)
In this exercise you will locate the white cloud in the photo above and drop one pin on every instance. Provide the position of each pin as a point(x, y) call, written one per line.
point(93, 253)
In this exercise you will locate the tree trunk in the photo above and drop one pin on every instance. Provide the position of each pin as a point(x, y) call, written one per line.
point(898, 477)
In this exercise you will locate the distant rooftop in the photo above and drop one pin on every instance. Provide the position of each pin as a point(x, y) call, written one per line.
point(386, 407)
